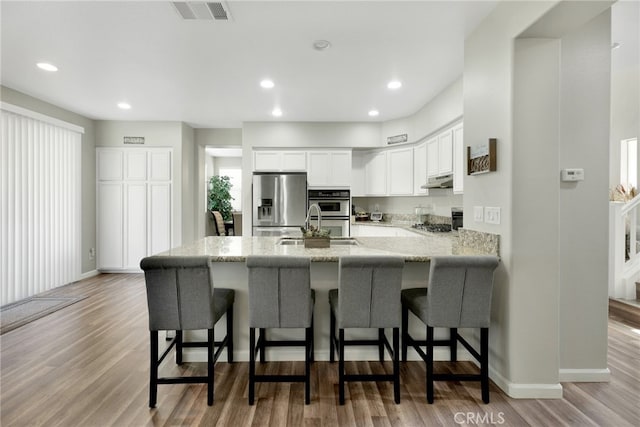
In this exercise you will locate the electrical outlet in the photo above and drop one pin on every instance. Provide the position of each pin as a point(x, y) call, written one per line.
point(92, 253)
point(478, 213)
point(492, 215)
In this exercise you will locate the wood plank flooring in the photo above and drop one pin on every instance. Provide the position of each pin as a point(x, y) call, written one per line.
point(87, 365)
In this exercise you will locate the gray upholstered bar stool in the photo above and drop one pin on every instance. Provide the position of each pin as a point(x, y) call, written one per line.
point(459, 296)
point(280, 296)
point(368, 297)
point(180, 297)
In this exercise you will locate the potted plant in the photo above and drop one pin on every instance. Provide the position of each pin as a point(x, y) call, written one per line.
point(219, 197)
point(314, 238)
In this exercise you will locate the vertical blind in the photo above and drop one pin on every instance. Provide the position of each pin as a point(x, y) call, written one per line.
point(40, 211)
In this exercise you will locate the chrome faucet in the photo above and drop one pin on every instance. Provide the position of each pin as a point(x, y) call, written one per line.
point(306, 221)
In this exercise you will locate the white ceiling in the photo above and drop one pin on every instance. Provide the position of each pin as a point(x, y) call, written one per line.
point(207, 73)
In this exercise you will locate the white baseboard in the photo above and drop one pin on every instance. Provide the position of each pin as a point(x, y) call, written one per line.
point(585, 375)
point(89, 274)
point(526, 391)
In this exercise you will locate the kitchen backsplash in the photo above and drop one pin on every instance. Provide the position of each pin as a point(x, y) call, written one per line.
point(397, 205)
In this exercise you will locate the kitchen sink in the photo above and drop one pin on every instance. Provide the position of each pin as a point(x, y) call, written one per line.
point(338, 241)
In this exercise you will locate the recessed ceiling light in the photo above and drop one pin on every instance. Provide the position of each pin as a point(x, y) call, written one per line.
point(267, 84)
point(616, 45)
point(124, 105)
point(46, 66)
point(374, 113)
point(394, 84)
point(321, 44)
point(276, 112)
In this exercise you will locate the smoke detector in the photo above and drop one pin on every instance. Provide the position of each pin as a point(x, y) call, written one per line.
point(200, 10)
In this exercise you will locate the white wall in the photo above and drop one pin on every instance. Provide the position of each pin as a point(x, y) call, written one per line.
point(189, 185)
point(625, 83)
point(584, 206)
point(535, 200)
point(444, 108)
point(88, 203)
point(157, 134)
point(529, 342)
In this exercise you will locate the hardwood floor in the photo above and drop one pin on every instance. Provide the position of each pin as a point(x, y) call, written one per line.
point(87, 365)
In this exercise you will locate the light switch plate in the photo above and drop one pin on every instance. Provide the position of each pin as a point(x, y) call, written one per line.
point(492, 215)
point(478, 213)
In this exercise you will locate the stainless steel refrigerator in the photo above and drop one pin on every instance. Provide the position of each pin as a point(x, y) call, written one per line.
point(279, 203)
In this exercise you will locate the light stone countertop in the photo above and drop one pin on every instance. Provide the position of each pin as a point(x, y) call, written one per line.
point(236, 249)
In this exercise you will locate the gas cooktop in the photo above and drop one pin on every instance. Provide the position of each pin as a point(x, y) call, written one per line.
point(434, 228)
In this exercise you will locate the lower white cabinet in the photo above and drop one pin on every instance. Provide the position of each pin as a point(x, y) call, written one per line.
point(134, 211)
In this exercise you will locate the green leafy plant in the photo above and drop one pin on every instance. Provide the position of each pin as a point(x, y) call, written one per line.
point(312, 231)
point(219, 197)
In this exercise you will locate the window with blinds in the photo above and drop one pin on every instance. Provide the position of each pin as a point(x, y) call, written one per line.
point(40, 203)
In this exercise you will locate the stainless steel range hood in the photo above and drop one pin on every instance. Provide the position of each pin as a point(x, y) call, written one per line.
point(444, 181)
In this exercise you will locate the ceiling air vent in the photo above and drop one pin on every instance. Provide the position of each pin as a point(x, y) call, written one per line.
point(218, 11)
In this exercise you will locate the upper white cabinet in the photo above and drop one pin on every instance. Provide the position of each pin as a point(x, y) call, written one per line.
point(432, 157)
point(400, 171)
point(277, 161)
point(458, 159)
point(445, 152)
point(375, 174)
point(134, 204)
point(440, 154)
point(420, 168)
point(329, 168)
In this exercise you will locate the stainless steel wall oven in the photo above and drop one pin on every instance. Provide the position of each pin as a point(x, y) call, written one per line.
point(336, 209)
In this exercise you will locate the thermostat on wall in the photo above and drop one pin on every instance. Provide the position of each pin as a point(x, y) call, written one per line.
point(572, 174)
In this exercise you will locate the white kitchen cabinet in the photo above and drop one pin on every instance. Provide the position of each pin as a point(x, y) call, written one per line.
point(110, 227)
point(279, 161)
point(440, 154)
point(357, 173)
point(420, 168)
point(375, 174)
point(135, 211)
point(329, 169)
point(432, 157)
point(400, 171)
point(445, 152)
point(458, 159)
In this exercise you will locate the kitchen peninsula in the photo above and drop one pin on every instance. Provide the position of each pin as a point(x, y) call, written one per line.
point(229, 255)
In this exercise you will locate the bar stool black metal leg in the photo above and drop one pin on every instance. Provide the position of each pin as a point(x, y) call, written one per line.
point(396, 365)
point(210, 367)
point(252, 364)
point(332, 338)
point(179, 347)
point(153, 371)
point(484, 363)
point(307, 364)
point(341, 365)
point(230, 334)
point(453, 345)
point(429, 364)
point(263, 346)
point(381, 344)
